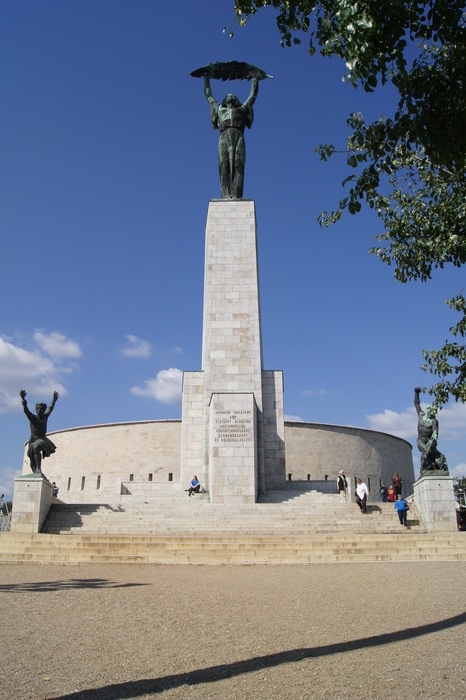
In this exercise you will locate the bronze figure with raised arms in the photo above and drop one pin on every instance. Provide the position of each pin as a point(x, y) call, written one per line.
point(231, 117)
point(39, 444)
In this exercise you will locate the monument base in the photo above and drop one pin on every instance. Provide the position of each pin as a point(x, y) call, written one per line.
point(32, 498)
point(434, 498)
point(233, 449)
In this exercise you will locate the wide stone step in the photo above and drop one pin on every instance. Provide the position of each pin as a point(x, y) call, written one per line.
point(183, 516)
point(252, 527)
point(223, 549)
point(293, 546)
point(303, 528)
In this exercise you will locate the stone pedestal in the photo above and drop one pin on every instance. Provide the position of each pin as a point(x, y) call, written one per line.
point(31, 503)
point(233, 449)
point(435, 501)
point(232, 368)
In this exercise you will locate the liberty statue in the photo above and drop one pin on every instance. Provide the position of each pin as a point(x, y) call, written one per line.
point(231, 117)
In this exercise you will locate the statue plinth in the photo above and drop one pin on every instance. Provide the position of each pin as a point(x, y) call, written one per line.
point(32, 498)
point(434, 472)
point(434, 497)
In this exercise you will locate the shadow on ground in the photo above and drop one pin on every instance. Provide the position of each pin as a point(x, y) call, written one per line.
point(44, 586)
point(134, 689)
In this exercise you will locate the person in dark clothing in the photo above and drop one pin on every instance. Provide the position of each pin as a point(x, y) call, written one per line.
point(342, 486)
point(397, 483)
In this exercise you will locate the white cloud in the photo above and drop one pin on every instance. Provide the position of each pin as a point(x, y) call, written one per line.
point(452, 422)
point(459, 470)
point(57, 345)
point(296, 419)
point(404, 425)
point(166, 387)
point(26, 369)
point(176, 350)
point(7, 479)
point(314, 392)
point(136, 347)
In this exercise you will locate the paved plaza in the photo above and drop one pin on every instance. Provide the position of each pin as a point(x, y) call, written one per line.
point(326, 631)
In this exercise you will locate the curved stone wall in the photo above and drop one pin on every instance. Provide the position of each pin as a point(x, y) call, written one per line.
point(317, 452)
point(92, 463)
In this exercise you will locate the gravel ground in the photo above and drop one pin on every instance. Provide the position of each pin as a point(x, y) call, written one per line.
point(326, 631)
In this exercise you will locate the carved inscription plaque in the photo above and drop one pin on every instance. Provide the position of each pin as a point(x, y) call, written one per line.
point(233, 427)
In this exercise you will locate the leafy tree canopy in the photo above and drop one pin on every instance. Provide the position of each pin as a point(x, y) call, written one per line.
point(409, 167)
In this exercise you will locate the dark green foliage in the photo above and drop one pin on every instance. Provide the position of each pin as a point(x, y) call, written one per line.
point(409, 167)
point(8, 506)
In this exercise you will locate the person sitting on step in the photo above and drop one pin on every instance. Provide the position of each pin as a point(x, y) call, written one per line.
point(195, 486)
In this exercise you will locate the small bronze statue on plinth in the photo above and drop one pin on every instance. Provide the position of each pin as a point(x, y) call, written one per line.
point(231, 117)
point(39, 444)
point(427, 434)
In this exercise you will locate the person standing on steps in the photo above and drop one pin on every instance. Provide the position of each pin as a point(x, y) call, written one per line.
point(397, 483)
point(384, 492)
point(342, 486)
point(362, 493)
point(401, 508)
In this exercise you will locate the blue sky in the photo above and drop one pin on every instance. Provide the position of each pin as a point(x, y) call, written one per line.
point(107, 163)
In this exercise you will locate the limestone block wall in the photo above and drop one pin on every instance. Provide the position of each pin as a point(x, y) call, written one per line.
point(435, 500)
point(32, 498)
point(91, 462)
point(322, 450)
point(233, 449)
point(193, 458)
point(273, 430)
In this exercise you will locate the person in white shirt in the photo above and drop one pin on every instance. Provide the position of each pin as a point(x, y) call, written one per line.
point(362, 493)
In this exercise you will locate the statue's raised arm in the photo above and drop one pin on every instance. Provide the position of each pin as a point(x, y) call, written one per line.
point(254, 92)
point(52, 403)
point(417, 401)
point(231, 117)
point(208, 89)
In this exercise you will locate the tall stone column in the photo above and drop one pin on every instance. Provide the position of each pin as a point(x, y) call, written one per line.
point(229, 440)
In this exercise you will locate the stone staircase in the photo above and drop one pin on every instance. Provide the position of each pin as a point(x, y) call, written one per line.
point(177, 514)
point(284, 528)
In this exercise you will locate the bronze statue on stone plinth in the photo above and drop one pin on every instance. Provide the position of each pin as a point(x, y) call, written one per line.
point(427, 434)
point(39, 444)
point(231, 117)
